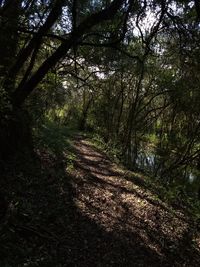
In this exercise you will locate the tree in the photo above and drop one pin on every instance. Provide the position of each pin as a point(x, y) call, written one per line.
point(65, 29)
point(24, 70)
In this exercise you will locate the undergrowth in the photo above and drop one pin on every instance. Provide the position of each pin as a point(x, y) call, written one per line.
point(40, 195)
point(109, 148)
point(175, 195)
point(38, 192)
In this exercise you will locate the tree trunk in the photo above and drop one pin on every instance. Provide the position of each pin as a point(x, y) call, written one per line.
point(14, 125)
point(15, 134)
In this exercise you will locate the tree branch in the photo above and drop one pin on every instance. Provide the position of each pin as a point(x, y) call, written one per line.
point(21, 93)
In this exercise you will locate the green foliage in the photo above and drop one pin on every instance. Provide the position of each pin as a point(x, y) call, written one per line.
point(109, 148)
point(132, 86)
point(53, 137)
point(70, 161)
point(5, 105)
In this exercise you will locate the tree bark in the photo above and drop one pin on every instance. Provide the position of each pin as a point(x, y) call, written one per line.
point(22, 92)
point(14, 123)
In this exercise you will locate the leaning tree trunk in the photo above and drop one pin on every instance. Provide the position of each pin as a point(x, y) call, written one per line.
point(13, 122)
point(15, 133)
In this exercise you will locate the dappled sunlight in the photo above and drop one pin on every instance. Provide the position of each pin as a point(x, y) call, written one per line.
point(86, 87)
point(122, 208)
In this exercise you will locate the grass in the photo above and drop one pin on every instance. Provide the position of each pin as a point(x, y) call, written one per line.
point(38, 193)
point(40, 199)
point(109, 148)
point(53, 136)
point(173, 194)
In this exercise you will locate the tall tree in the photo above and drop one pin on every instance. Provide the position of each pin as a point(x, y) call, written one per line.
point(24, 70)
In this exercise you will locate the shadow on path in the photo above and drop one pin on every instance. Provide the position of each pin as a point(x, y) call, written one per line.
point(94, 216)
point(140, 230)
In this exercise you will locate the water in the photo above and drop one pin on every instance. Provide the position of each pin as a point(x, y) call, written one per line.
point(152, 163)
point(191, 177)
point(147, 161)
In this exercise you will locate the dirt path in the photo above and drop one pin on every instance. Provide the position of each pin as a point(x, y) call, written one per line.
point(123, 224)
point(92, 215)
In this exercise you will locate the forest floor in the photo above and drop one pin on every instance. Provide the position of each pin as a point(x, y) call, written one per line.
point(134, 227)
point(94, 214)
